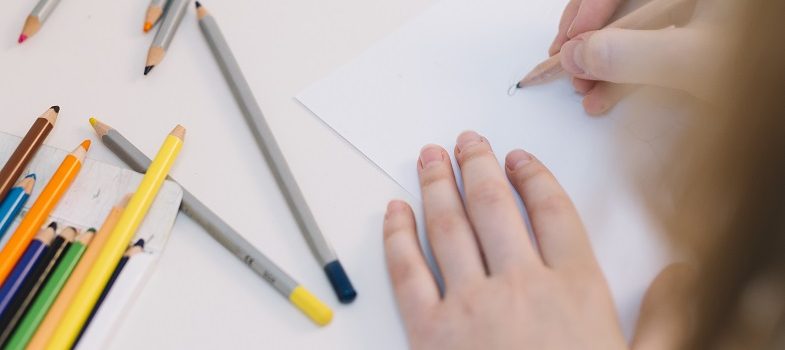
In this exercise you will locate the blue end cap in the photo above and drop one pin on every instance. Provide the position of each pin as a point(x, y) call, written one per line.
point(340, 281)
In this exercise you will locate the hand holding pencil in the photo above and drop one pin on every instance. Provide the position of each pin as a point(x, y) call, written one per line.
point(662, 43)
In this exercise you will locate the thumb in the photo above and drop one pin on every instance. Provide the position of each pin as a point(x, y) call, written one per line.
point(680, 58)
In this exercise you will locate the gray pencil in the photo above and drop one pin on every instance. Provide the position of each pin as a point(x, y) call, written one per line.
point(214, 225)
point(266, 142)
point(174, 15)
point(154, 12)
point(37, 17)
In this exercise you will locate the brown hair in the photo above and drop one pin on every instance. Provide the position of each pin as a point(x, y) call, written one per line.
point(728, 203)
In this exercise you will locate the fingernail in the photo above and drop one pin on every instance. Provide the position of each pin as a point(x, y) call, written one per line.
point(468, 138)
point(517, 159)
point(394, 206)
point(430, 155)
point(572, 56)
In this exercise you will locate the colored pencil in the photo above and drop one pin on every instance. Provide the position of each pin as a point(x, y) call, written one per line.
point(24, 297)
point(47, 327)
point(37, 17)
point(136, 248)
point(27, 327)
point(46, 201)
point(272, 153)
point(26, 150)
point(26, 266)
point(76, 313)
point(642, 18)
point(220, 230)
point(111, 312)
point(14, 202)
point(174, 15)
point(153, 14)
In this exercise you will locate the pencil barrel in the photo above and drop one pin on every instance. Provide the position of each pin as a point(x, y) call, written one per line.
point(266, 141)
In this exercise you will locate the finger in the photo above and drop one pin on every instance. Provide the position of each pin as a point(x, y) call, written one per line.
point(414, 287)
point(592, 15)
point(491, 206)
point(452, 240)
point(604, 96)
point(673, 57)
point(566, 20)
point(560, 234)
point(583, 86)
point(662, 323)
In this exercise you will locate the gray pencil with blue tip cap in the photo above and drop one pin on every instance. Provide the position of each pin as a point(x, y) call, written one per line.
point(272, 153)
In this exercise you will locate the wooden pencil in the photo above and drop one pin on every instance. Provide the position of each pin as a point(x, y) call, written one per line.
point(27, 149)
point(191, 206)
point(645, 17)
point(46, 201)
point(153, 14)
point(29, 323)
point(55, 314)
point(24, 297)
point(163, 38)
point(14, 202)
point(37, 17)
point(135, 249)
point(75, 315)
point(265, 140)
point(26, 266)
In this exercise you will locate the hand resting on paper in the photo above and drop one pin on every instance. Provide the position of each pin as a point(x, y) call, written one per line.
point(500, 292)
point(607, 63)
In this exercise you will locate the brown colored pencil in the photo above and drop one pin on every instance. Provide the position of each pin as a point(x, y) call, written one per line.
point(26, 150)
point(648, 16)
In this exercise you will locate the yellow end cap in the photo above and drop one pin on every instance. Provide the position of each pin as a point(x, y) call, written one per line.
point(93, 121)
point(311, 306)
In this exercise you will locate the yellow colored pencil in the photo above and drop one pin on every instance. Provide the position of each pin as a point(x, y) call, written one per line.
point(77, 312)
point(44, 331)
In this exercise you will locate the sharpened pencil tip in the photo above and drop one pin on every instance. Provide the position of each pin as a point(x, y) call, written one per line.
point(519, 86)
point(92, 229)
point(148, 69)
point(139, 243)
point(147, 27)
point(93, 121)
point(22, 38)
point(31, 175)
point(56, 108)
point(198, 5)
point(85, 144)
point(53, 225)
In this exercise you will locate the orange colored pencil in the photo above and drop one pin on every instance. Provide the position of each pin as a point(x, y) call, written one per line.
point(56, 312)
point(54, 190)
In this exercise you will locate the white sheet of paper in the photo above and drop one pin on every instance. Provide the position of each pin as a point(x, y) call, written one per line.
point(449, 70)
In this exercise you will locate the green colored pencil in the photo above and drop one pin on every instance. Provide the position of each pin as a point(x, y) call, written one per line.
point(33, 317)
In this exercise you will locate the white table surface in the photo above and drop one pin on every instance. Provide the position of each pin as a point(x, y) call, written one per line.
point(88, 58)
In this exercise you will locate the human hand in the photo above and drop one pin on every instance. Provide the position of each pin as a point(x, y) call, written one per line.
point(607, 63)
point(499, 291)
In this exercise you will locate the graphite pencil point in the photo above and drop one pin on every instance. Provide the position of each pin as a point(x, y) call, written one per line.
point(148, 69)
point(56, 108)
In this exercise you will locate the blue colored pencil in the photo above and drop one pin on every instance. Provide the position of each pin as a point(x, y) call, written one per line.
point(14, 201)
point(25, 266)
